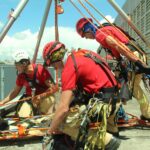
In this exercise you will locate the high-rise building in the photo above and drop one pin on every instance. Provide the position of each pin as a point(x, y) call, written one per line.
point(139, 12)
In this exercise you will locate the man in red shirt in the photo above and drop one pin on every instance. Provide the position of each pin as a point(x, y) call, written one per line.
point(36, 80)
point(85, 75)
point(113, 39)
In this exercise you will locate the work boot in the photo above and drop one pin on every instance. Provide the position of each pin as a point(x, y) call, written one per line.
point(116, 134)
point(144, 118)
point(112, 128)
point(113, 144)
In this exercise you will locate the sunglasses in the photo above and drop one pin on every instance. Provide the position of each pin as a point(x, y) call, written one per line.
point(17, 63)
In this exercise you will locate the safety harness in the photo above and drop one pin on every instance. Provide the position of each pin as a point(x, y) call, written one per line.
point(113, 24)
point(104, 91)
point(97, 109)
point(33, 81)
point(33, 85)
point(124, 66)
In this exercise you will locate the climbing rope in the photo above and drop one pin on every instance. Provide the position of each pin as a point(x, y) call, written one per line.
point(102, 112)
point(39, 96)
point(90, 13)
point(131, 42)
point(115, 27)
point(128, 51)
point(98, 111)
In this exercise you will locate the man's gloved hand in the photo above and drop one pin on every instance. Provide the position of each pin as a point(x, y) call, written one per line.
point(141, 68)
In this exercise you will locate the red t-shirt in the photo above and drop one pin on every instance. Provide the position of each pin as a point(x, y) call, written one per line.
point(89, 74)
point(103, 32)
point(42, 75)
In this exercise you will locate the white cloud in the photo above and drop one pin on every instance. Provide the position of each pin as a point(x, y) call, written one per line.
point(26, 40)
point(109, 18)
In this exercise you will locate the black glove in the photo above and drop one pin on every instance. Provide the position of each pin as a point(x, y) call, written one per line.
point(140, 68)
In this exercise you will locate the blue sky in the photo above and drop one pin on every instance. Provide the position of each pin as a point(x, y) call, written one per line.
point(23, 33)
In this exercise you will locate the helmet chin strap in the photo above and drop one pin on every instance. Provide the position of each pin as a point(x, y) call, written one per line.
point(60, 65)
point(65, 57)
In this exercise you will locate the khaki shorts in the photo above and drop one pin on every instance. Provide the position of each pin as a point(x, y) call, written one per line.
point(47, 105)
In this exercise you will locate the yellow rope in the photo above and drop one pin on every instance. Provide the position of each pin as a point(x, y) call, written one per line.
point(98, 139)
point(51, 91)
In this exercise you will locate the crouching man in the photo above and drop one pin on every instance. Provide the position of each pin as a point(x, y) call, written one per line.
point(88, 97)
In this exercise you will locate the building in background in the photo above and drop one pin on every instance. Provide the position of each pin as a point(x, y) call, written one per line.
point(139, 12)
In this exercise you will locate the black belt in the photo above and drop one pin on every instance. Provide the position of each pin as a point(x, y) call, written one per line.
point(109, 90)
point(105, 94)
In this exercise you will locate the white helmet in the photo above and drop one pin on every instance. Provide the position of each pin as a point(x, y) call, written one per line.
point(20, 55)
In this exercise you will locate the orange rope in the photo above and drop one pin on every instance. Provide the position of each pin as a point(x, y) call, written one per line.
point(116, 41)
point(23, 133)
point(114, 27)
point(51, 91)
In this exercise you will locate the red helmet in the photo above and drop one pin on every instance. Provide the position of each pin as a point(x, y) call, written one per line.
point(49, 48)
point(80, 25)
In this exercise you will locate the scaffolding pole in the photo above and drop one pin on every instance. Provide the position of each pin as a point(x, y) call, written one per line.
point(41, 29)
point(12, 18)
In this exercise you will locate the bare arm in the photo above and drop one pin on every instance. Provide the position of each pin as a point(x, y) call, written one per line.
point(124, 50)
point(16, 90)
point(62, 110)
point(121, 48)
